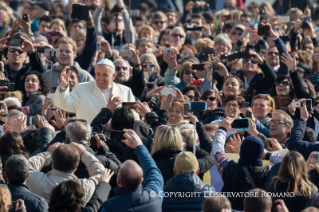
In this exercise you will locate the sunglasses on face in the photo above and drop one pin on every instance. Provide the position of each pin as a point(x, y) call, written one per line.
point(150, 65)
point(119, 68)
point(247, 60)
point(189, 73)
point(209, 98)
point(15, 50)
point(190, 96)
point(178, 35)
point(284, 83)
point(159, 22)
point(238, 33)
point(271, 53)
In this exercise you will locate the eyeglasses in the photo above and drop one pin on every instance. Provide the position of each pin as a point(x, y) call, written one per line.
point(16, 50)
point(247, 60)
point(150, 65)
point(238, 33)
point(119, 20)
point(190, 96)
point(232, 105)
point(276, 122)
point(159, 22)
point(178, 35)
point(119, 68)
point(189, 72)
point(271, 53)
point(283, 83)
point(209, 98)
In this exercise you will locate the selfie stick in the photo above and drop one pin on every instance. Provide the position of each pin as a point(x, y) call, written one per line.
point(194, 145)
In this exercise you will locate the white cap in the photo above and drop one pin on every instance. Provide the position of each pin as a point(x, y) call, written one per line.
point(106, 62)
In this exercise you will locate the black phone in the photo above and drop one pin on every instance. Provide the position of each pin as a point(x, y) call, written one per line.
point(244, 55)
point(248, 114)
point(266, 31)
point(193, 28)
point(198, 106)
point(33, 120)
point(232, 57)
point(41, 49)
point(14, 42)
point(198, 67)
point(129, 105)
point(5, 83)
point(260, 30)
point(309, 105)
point(80, 12)
point(117, 134)
point(241, 124)
point(25, 17)
point(11, 87)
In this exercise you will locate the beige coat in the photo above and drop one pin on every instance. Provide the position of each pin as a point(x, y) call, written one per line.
point(42, 184)
point(87, 100)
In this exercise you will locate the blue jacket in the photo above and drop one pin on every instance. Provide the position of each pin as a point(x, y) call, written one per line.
point(144, 198)
point(295, 141)
point(186, 183)
point(33, 202)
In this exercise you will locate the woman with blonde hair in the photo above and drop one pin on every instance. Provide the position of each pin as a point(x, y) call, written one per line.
point(168, 143)
point(152, 71)
point(147, 32)
point(293, 179)
point(6, 201)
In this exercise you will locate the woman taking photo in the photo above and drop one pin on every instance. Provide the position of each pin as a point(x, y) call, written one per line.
point(34, 89)
point(293, 177)
point(151, 70)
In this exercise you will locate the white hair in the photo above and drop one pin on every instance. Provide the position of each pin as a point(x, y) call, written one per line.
point(177, 28)
point(9, 101)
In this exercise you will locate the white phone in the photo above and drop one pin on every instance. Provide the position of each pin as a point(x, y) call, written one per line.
point(166, 91)
point(126, 53)
point(51, 96)
point(283, 19)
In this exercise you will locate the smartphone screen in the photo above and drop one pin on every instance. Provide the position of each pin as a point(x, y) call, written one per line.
point(240, 124)
point(185, 109)
point(246, 104)
point(198, 67)
point(248, 114)
point(198, 106)
point(315, 158)
point(129, 105)
point(309, 105)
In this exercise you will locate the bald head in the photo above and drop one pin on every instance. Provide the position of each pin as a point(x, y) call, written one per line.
point(130, 175)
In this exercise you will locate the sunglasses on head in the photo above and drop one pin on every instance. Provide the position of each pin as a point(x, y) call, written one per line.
point(189, 72)
point(150, 65)
point(15, 50)
point(159, 22)
point(178, 35)
point(247, 60)
point(119, 68)
point(284, 83)
point(209, 98)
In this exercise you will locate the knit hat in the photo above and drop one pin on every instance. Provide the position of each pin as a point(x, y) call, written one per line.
point(186, 161)
point(43, 4)
point(251, 151)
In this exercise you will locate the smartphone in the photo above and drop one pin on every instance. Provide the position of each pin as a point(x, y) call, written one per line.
point(193, 28)
point(80, 12)
point(244, 55)
point(207, 50)
point(26, 110)
point(41, 49)
point(14, 42)
point(260, 30)
point(266, 31)
point(198, 67)
point(117, 134)
point(246, 104)
point(33, 120)
point(186, 109)
point(241, 124)
point(25, 17)
point(4, 83)
point(228, 17)
point(126, 53)
point(51, 96)
point(315, 158)
point(232, 57)
point(198, 106)
point(11, 87)
point(129, 105)
point(295, 104)
point(283, 19)
point(309, 105)
point(249, 114)
point(166, 91)
point(52, 52)
point(214, 65)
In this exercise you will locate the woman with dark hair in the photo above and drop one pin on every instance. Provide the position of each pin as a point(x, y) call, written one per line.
point(214, 107)
point(293, 178)
point(11, 143)
point(283, 92)
point(192, 93)
point(232, 86)
point(68, 195)
point(34, 89)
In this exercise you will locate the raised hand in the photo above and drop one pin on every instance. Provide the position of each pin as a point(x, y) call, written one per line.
point(256, 57)
point(53, 147)
point(275, 145)
point(226, 123)
point(105, 47)
point(19, 124)
point(65, 77)
point(114, 102)
point(193, 118)
point(235, 143)
point(132, 139)
point(106, 176)
point(222, 70)
point(27, 46)
point(60, 117)
point(253, 36)
point(289, 61)
point(99, 141)
point(142, 108)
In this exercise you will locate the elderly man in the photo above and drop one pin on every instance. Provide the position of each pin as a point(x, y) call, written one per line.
point(87, 99)
point(177, 37)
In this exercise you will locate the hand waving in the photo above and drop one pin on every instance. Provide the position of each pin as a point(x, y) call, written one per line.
point(65, 77)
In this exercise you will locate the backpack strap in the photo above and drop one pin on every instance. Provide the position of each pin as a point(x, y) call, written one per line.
point(252, 183)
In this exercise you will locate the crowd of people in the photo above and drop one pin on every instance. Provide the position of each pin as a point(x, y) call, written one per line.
point(165, 106)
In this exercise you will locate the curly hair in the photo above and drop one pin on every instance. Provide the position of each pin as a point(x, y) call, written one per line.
point(5, 198)
point(12, 143)
point(67, 197)
point(43, 83)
